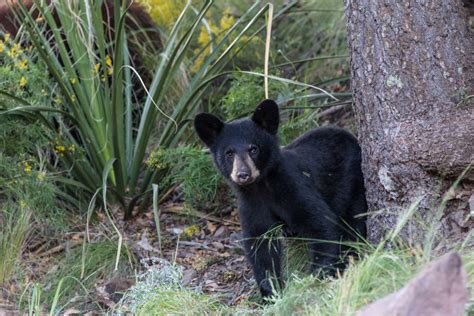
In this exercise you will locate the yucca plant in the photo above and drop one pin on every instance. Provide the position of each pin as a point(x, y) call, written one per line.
point(94, 80)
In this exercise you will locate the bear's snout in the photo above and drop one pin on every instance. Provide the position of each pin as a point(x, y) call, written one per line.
point(243, 170)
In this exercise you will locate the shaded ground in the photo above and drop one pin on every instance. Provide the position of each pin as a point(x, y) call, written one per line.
point(209, 250)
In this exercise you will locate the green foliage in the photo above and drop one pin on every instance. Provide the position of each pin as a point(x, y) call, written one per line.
point(159, 291)
point(193, 169)
point(34, 300)
point(297, 123)
point(313, 29)
point(95, 81)
point(381, 269)
point(178, 301)
point(26, 183)
point(21, 77)
point(80, 270)
point(14, 230)
point(380, 272)
point(247, 91)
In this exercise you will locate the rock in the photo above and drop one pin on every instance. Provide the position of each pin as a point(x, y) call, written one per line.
point(116, 287)
point(439, 290)
point(188, 276)
point(218, 245)
point(220, 231)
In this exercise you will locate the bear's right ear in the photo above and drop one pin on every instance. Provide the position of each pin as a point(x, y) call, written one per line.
point(208, 127)
point(267, 116)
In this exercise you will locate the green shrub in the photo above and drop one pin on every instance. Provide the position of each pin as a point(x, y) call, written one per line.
point(246, 92)
point(21, 77)
point(192, 168)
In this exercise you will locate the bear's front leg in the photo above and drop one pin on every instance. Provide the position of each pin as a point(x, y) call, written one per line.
point(325, 257)
point(324, 231)
point(263, 253)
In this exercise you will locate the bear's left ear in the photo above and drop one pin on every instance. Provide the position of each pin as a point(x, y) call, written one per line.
point(267, 116)
point(208, 127)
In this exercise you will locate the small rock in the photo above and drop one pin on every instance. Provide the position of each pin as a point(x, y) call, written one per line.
point(218, 245)
point(211, 285)
point(439, 290)
point(175, 230)
point(117, 286)
point(188, 276)
point(220, 231)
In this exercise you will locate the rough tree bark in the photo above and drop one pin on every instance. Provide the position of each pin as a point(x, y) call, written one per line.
point(412, 81)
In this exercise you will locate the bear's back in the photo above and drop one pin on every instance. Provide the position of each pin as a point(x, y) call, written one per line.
point(331, 157)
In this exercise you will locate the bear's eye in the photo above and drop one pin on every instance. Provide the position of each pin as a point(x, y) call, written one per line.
point(229, 153)
point(253, 149)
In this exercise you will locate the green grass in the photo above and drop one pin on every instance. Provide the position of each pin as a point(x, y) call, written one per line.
point(79, 271)
point(15, 222)
point(159, 291)
point(178, 302)
point(377, 274)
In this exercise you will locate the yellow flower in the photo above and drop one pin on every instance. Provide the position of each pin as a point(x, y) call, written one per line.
point(96, 67)
point(108, 60)
point(227, 20)
point(14, 50)
point(163, 12)
point(190, 231)
point(7, 37)
point(155, 160)
point(2, 46)
point(71, 148)
point(27, 167)
point(73, 80)
point(22, 64)
point(204, 37)
point(59, 148)
point(41, 175)
point(23, 82)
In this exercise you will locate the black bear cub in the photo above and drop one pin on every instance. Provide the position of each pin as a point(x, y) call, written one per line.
point(314, 187)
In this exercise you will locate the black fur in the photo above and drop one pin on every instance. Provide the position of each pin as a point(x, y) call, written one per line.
point(313, 186)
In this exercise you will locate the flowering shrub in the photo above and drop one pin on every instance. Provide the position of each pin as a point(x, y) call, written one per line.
point(163, 12)
point(212, 31)
point(20, 76)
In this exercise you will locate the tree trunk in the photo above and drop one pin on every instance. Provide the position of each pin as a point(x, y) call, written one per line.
point(412, 81)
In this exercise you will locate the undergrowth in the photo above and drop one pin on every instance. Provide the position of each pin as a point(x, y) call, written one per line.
point(192, 169)
point(79, 271)
point(159, 291)
point(382, 269)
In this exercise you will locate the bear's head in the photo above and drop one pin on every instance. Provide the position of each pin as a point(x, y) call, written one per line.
point(244, 150)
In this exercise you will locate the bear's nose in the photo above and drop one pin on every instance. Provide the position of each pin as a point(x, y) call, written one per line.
point(243, 176)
